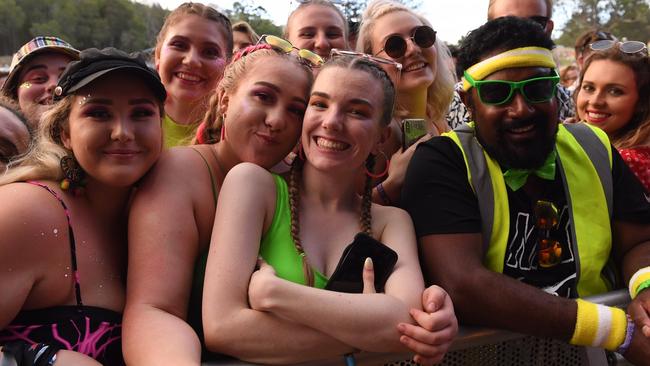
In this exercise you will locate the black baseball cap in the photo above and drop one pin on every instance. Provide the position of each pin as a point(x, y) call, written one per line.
point(94, 63)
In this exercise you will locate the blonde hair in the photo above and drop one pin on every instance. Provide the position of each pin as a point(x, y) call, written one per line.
point(203, 11)
point(325, 3)
point(243, 27)
point(441, 91)
point(42, 161)
point(234, 73)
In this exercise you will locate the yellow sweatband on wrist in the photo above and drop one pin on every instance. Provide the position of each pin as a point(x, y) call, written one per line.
point(599, 326)
point(639, 281)
point(518, 57)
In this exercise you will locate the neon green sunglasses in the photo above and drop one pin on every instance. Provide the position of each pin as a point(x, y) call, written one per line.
point(497, 92)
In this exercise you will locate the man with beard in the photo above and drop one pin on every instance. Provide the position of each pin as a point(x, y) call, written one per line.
point(517, 215)
point(539, 11)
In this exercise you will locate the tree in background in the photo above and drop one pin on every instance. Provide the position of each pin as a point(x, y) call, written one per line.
point(628, 19)
point(12, 18)
point(84, 23)
point(353, 9)
point(254, 15)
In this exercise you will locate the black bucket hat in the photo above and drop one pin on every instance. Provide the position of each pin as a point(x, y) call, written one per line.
point(94, 63)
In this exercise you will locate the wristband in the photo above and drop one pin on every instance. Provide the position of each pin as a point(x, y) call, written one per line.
point(629, 333)
point(599, 326)
point(383, 195)
point(639, 281)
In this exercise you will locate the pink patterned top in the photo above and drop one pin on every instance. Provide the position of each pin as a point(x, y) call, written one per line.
point(638, 159)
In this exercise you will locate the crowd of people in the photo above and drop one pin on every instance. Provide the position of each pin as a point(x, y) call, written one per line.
point(206, 209)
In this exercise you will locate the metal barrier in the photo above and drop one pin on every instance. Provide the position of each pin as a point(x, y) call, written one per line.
point(481, 346)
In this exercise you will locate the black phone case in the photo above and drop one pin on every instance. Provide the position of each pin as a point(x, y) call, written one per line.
point(347, 276)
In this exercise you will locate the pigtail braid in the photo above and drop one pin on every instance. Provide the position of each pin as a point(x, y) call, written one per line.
point(366, 200)
point(294, 205)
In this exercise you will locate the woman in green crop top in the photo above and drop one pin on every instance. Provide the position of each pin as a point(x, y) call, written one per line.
point(261, 101)
point(300, 226)
point(192, 49)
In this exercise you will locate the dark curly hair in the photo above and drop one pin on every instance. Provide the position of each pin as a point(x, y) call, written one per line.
point(501, 34)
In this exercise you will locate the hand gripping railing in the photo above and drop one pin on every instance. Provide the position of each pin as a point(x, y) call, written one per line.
point(482, 346)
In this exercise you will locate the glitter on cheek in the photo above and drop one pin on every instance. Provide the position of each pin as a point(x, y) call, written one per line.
point(25, 85)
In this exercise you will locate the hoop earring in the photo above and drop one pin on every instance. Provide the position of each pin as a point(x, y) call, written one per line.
point(375, 175)
point(73, 175)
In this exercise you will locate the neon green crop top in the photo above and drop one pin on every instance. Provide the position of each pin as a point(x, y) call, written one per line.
point(277, 247)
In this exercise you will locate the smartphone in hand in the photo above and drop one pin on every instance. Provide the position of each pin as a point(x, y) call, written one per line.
point(347, 276)
point(412, 130)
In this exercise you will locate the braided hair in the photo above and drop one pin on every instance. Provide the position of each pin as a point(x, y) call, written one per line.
point(295, 174)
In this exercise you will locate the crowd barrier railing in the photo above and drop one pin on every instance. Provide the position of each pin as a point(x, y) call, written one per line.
point(486, 347)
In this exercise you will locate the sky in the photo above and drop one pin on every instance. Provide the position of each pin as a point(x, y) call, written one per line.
point(452, 19)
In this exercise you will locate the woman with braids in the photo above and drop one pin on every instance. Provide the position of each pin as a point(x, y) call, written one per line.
point(192, 49)
point(64, 212)
point(390, 29)
point(301, 225)
point(256, 117)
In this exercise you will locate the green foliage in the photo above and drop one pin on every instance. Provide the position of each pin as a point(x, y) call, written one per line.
point(84, 23)
point(628, 19)
point(353, 9)
point(255, 16)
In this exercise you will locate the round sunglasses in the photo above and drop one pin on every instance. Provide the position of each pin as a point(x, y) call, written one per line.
point(497, 92)
point(629, 47)
point(395, 45)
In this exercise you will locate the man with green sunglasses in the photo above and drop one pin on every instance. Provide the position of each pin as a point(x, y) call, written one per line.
point(518, 215)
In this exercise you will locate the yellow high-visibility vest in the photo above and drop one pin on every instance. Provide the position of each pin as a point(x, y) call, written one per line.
point(584, 158)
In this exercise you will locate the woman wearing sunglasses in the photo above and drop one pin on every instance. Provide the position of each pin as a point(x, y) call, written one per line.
point(300, 225)
point(614, 94)
point(256, 117)
point(424, 90)
point(318, 26)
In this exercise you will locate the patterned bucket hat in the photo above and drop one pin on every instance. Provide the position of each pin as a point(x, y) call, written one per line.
point(30, 49)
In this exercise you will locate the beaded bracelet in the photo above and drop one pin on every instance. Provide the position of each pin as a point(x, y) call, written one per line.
point(383, 195)
point(629, 333)
point(639, 281)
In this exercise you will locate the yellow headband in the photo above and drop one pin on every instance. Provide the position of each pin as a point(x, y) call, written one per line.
point(518, 57)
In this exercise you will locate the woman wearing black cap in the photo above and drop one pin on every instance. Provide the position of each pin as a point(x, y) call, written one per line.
point(64, 211)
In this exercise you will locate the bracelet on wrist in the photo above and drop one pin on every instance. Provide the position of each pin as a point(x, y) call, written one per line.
point(639, 281)
point(629, 333)
point(599, 326)
point(383, 195)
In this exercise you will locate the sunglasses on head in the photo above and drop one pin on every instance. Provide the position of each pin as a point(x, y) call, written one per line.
point(628, 47)
point(308, 57)
point(394, 68)
point(547, 218)
point(496, 92)
point(395, 45)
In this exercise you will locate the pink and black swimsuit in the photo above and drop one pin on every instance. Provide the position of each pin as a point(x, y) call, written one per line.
point(90, 330)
